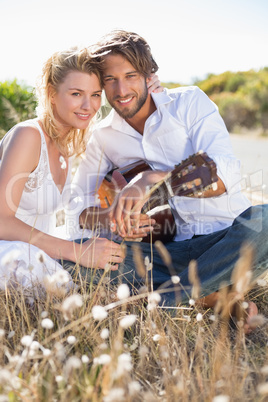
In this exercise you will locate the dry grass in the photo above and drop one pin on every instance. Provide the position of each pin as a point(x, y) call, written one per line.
point(65, 349)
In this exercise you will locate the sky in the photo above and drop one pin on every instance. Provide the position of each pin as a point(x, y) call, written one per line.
point(188, 38)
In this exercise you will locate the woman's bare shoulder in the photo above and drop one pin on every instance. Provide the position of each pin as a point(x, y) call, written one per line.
point(22, 135)
point(23, 142)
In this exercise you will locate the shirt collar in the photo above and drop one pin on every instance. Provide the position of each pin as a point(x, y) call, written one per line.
point(161, 98)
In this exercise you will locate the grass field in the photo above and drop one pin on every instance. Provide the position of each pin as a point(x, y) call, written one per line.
point(101, 344)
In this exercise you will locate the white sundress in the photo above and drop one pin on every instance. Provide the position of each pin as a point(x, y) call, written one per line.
point(23, 265)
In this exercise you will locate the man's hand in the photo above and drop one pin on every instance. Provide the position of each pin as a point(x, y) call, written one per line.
point(138, 229)
point(126, 213)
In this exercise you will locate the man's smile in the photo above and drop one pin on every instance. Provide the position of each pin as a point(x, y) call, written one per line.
point(125, 101)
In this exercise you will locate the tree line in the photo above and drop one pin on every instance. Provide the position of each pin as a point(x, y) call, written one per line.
point(242, 99)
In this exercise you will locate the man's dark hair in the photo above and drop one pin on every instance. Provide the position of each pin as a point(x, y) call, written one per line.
point(129, 45)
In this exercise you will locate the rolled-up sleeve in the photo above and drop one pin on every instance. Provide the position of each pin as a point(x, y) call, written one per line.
point(208, 133)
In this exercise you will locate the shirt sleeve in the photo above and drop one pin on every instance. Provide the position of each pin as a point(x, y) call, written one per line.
point(89, 175)
point(208, 133)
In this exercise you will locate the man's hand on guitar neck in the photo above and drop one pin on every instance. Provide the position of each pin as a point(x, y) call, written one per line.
point(126, 210)
point(126, 214)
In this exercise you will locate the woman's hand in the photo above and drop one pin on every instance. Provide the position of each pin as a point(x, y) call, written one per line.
point(100, 253)
point(153, 84)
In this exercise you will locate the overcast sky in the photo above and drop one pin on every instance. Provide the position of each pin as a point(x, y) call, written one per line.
point(188, 38)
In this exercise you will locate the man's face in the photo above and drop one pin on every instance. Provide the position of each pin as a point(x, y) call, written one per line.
point(125, 88)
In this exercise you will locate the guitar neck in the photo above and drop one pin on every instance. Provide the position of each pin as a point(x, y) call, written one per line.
point(192, 176)
point(160, 196)
point(188, 178)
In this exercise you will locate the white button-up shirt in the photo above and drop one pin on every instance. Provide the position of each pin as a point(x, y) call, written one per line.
point(185, 122)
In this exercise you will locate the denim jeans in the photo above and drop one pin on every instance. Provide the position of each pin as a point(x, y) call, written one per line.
point(216, 255)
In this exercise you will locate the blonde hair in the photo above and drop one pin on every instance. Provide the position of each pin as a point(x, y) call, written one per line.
point(54, 73)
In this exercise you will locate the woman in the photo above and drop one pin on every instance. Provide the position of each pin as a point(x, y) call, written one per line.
point(35, 173)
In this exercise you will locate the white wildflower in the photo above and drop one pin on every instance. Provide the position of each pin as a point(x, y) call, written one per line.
point(59, 378)
point(175, 279)
point(143, 351)
point(264, 370)
point(30, 267)
point(107, 267)
point(52, 282)
point(47, 323)
point(261, 282)
point(104, 333)
point(256, 321)
point(5, 376)
point(123, 291)
point(154, 297)
point(212, 317)
point(11, 334)
point(127, 321)
point(44, 314)
point(191, 302)
point(199, 317)
point(60, 352)
point(71, 339)
point(115, 395)
point(187, 318)
point(26, 340)
point(150, 267)
point(72, 363)
point(124, 364)
point(61, 277)
point(244, 305)
point(40, 256)
point(148, 264)
point(85, 359)
point(103, 346)
point(156, 337)
point(99, 313)
point(46, 352)
point(146, 261)
point(35, 345)
point(70, 304)
point(243, 282)
point(102, 359)
point(2, 333)
point(134, 387)
point(221, 398)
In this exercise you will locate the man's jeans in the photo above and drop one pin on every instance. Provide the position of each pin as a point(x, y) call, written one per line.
point(216, 255)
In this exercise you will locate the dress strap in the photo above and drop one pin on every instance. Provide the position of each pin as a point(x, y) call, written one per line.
point(35, 123)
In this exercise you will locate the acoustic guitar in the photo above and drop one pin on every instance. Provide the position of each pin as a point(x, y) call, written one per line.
point(189, 178)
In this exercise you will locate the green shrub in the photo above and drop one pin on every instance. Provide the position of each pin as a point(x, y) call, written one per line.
point(17, 103)
point(235, 110)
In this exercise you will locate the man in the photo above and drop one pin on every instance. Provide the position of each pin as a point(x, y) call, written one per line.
point(163, 129)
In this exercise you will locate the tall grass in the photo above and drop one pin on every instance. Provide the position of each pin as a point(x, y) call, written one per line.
point(101, 344)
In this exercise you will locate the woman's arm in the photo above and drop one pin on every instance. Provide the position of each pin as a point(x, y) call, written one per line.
point(20, 157)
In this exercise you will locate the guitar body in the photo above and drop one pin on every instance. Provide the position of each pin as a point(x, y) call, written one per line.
point(191, 176)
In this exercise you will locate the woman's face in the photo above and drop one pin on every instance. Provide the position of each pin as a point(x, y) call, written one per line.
point(77, 100)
